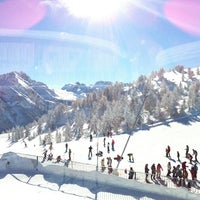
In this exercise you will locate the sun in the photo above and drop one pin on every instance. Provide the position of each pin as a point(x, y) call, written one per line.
point(95, 10)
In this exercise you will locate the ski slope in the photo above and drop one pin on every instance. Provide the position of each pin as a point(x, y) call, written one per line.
point(54, 180)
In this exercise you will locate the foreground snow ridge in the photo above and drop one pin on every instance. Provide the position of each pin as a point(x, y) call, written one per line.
point(27, 169)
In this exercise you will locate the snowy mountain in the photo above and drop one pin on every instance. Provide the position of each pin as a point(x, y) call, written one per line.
point(23, 100)
point(81, 89)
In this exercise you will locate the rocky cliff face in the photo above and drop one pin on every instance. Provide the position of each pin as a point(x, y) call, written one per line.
point(23, 100)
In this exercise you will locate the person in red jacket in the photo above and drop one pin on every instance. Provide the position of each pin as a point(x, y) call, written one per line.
point(159, 169)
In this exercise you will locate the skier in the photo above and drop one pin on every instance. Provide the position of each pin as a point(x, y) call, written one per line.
point(130, 157)
point(90, 152)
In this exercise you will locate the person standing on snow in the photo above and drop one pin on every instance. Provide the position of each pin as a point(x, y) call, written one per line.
point(104, 142)
point(195, 155)
point(90, 152)
point(169, 167)
point(69, 153)
point(146, 170)
point(91, 137)
point(153, 172)
point(113, 145)
point(108, 147)
point(159, 168)
point(131, 173)
point(130, 157)
point(186, 151)
point(168, 149)
point(178, 156)
point(66, 147)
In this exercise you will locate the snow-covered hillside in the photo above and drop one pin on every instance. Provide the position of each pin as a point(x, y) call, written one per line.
point(54, 180)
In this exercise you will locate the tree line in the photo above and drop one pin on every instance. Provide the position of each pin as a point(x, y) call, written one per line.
point(116, 107)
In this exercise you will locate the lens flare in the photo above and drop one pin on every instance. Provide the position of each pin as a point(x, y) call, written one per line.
point(184, 14)
point(20, 14)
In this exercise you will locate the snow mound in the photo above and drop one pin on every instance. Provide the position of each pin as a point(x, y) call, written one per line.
point(14, 162)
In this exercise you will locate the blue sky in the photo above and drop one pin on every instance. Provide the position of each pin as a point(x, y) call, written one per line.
point(65, 41)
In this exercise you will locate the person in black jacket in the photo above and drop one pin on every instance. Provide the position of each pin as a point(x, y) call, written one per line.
point(146, 170)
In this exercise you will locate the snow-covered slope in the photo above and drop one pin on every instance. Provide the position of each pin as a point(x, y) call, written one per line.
point(53, 180)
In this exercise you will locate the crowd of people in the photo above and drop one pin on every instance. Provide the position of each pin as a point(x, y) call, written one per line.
point(179, 173)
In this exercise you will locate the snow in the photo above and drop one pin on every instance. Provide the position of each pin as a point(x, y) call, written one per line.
point(65, 95)
point(23, 177)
